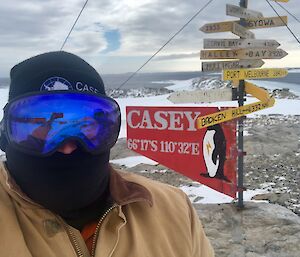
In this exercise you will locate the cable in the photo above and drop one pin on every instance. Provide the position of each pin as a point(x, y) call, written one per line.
point(284, 22)
point(73, 25)
point(193, 17)
point(288, 11)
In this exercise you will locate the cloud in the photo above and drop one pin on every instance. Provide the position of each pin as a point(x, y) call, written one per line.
point(34, 26)
point(176, 56)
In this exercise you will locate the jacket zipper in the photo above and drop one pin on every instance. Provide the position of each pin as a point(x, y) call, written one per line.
point(74, 241)
point(98, 229)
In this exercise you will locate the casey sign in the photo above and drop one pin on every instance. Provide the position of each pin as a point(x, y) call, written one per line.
point(169, 135)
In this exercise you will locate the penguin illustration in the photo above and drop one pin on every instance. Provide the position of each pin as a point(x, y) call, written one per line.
point(214, 152)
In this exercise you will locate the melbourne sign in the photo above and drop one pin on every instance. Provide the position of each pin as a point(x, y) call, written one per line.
point(169, 135)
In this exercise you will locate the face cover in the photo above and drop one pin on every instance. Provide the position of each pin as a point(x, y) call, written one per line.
point(63, 183)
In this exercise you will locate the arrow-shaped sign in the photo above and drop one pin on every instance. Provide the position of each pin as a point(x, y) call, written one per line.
point(268, 22)
point(240, 12)
point(254, 74)
point(200, 96)
point(217, 27)
point(239, 43)
point(248, 54)
point(225, 26)
point(241, 31)
point(240, 64)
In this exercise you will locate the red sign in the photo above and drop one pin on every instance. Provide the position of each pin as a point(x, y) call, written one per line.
point(169, 135)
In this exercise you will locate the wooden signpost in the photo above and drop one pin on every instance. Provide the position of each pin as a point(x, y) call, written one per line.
point(243, 74)
point(247, 54)
point(241, 31)
point(241, 12)
point(225, 65)
point(253, 23)
point(238, 43)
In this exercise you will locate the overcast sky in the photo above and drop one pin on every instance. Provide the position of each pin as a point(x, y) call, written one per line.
point(117, 36)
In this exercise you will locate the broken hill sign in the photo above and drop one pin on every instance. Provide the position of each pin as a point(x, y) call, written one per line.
point(169, 135)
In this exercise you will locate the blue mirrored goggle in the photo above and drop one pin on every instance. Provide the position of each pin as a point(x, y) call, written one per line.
point(40, 123)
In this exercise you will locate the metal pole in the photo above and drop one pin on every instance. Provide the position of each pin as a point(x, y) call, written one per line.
point(241, 94)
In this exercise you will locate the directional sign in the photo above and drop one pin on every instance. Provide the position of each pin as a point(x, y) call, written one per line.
point(238, 43)
point(236, 11)
point(249, 54)
point(200, 96)
point(217, 27)
point(266, 101)
point(224, 65)
point(267, 22)
point(254, 74)
point(241, 31)
point(220, 117)
point(258, 23)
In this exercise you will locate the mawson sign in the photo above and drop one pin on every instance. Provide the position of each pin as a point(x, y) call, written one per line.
point(169, 135)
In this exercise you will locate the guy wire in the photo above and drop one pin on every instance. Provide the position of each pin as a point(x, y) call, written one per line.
point(65, 41)
point(161, 48)
point(284, 22)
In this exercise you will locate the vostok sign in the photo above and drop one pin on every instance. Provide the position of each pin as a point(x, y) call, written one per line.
point(163, 120)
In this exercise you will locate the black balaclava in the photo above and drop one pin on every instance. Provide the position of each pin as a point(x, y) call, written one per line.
point(74, 185)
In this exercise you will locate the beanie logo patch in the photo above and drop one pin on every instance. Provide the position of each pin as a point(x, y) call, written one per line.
point(56, 83)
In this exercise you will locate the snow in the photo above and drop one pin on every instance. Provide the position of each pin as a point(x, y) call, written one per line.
point(133, 161)
point(202, 194)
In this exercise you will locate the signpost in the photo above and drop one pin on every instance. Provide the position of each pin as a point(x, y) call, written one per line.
point(245, 49)
point(200, 142)
point(247, 53)
point(225, 65)
point(202, 96)
point(241, 31)
point(239, 43)
point(217, 27)
point(241, 12)
point(268, 22)
point(253, 23)
point(254, 74)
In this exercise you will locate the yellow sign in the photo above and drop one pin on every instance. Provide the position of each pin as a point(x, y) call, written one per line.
point(254, 74)
point(247, 54)
point(266, 101)
point(267, 22)
point(219, 117)
point(256, 23)
point(217, 27)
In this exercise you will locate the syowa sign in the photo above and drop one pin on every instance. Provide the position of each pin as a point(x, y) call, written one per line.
point(169, 135)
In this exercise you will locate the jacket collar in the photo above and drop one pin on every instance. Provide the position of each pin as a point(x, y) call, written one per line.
point(122, 191)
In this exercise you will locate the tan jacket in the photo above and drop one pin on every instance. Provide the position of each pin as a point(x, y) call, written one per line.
point(149, 219)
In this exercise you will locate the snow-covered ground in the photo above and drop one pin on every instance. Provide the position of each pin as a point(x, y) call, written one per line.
point(197, 192)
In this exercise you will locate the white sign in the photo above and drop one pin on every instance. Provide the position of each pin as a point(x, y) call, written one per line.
point(236, 11)
point(239, 43)
point(201, 96)
point(224, 65)
point(241, 31)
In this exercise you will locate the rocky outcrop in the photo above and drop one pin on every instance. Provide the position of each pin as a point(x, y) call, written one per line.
point(258, 230)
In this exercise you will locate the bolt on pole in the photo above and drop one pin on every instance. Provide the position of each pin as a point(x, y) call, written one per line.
point(241, 94)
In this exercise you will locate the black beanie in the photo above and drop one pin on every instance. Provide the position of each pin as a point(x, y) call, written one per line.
point(54, 71)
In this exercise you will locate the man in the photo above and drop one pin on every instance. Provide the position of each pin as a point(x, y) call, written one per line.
point(58, 194)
